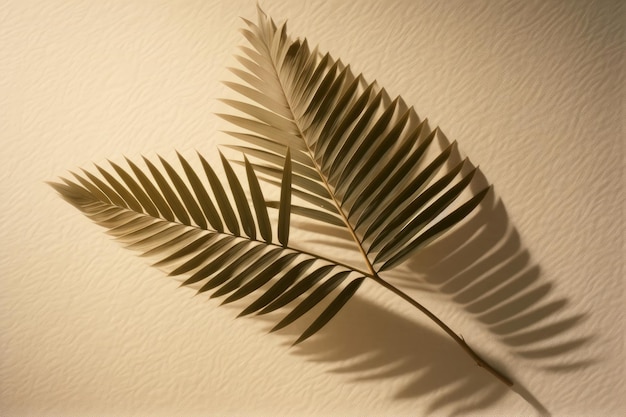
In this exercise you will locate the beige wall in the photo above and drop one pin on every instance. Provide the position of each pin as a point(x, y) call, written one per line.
point(532, 90)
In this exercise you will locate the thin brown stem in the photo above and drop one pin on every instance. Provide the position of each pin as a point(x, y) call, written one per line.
point(458, 339)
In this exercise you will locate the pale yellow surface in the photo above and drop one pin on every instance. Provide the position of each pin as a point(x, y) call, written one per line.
point(533, 92)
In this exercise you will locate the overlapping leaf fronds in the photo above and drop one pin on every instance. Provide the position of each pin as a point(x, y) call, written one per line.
point(196, 232)
point(348, 155)
point(359, 160)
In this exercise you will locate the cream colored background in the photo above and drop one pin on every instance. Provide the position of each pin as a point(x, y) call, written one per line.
point(532, 90)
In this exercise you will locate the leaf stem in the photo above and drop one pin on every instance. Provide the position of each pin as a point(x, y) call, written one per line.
point(458, 339)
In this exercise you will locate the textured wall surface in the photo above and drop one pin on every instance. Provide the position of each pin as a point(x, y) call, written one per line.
point(533, 92)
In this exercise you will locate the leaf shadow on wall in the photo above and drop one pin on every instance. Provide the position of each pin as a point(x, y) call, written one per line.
point(369, 342)
point(388, 346)
point(492, 276)
point(482, 267)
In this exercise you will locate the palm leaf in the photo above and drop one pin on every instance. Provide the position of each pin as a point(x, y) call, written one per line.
point(355, 151)
point(235, 263)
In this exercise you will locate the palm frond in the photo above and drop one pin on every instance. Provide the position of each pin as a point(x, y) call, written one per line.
point(237, 263)
point(360, 158)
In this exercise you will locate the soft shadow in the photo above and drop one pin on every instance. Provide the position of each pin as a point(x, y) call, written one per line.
point(419, 361)
point(492, 276)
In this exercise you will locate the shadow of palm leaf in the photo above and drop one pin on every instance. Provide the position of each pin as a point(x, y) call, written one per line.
point(420, 361)
point(492, 277)
point(482, 266)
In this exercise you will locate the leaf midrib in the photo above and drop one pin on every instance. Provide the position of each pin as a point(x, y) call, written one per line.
point(225, 233)
point(372, 272)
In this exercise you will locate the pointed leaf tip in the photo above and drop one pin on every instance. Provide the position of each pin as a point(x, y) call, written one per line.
point(284, 212)
point(258, 201)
